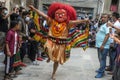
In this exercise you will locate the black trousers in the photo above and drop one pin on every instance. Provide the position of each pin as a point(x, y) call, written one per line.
point(9, 64)
point(32, 50)
point(23, 50)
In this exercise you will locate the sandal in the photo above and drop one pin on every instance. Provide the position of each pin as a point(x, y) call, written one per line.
point(7, 77)
point(13, 76)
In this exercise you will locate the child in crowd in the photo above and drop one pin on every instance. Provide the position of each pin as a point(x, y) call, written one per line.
point(11, 48)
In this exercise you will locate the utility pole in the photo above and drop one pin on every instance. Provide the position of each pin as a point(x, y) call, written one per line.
point(97, 12)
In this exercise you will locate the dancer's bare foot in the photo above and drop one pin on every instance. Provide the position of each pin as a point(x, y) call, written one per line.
point(53, 77)
point(48, 60)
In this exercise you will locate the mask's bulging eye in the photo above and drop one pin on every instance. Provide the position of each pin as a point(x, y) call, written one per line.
point(63, 14)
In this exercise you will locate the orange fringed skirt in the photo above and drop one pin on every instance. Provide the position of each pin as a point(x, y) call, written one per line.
point(56, 52)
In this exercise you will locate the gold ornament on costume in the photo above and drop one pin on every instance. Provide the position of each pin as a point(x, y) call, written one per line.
point(58, 28)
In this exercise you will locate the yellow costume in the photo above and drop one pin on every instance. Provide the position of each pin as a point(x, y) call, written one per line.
point(61, 36)
point(56, 49)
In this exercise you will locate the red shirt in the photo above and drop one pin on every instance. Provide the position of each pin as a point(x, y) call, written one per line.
point(10, 40)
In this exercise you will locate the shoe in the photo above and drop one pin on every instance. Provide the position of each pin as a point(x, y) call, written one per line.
point(110, 73)
point(97, 71)
point(34, 62)
point(99, 75)
point(7, 77)
point(39, 59)
point(108, 69)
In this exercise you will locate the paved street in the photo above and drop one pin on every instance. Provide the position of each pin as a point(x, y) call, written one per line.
point(81, 66)
point(1, 65)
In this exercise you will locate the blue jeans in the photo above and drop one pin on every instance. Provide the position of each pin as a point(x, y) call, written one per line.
point(102, 59)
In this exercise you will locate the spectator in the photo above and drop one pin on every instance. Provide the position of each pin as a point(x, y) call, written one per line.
point(24, 22)
point(4, 19)
point(102, 44)
point(33, 45)
point(18, 15)
point(112, 54)
point(11, 48)
point(116, 74)
point(115, 17)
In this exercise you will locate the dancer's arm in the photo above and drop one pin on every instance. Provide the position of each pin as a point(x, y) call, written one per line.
point(78, 21)
point(39, 12)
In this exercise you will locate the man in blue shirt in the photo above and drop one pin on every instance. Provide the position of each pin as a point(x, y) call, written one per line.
point(102, 44)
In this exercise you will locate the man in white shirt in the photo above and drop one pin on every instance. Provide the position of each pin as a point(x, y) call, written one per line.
point(115, 17)
point(112, 52)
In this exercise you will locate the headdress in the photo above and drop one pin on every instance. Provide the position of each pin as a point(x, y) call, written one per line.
point(71, 13)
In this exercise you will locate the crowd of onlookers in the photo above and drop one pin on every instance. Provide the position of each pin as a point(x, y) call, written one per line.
point(107, 44)
point(19, 28)
point(104, 35)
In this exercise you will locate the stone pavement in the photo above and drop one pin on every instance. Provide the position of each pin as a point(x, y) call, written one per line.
point(1, 65)
point(80, 66)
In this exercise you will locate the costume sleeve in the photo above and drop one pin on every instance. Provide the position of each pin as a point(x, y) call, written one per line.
point(71, 26)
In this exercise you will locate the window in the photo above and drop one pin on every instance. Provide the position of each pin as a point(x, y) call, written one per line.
point(114, 5)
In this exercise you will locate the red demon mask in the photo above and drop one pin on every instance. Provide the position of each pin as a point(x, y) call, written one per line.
point(60, 15)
